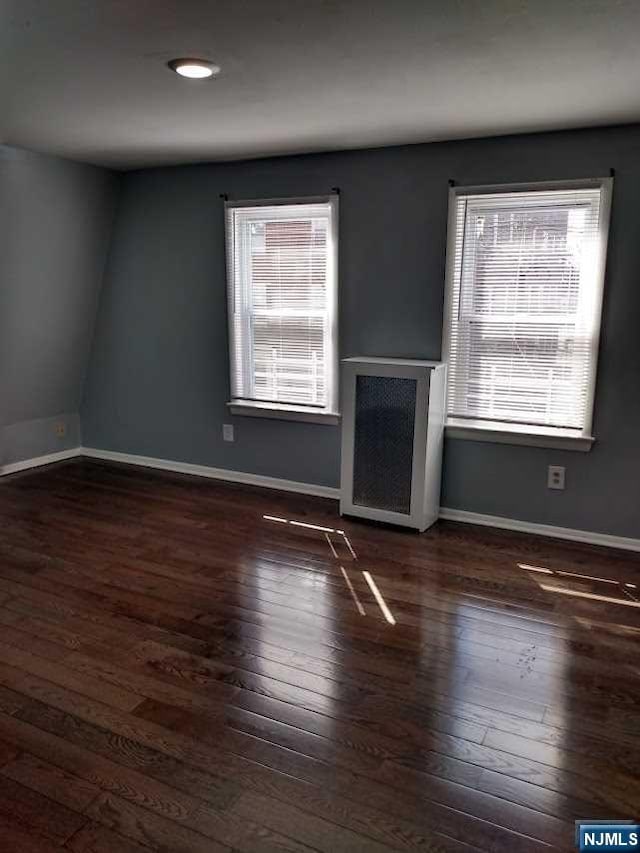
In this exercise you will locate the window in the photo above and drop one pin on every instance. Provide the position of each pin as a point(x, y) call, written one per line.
point(525, 273)
point(282, 288)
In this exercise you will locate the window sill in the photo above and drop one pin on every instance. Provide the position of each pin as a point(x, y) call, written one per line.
point(282, 412)
point(554, 439)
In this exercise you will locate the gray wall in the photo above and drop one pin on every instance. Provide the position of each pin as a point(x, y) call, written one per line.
point(55, 224)
point(158, 380)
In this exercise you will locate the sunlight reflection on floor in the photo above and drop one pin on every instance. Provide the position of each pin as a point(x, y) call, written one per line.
point(626, 597)
point(372, 585)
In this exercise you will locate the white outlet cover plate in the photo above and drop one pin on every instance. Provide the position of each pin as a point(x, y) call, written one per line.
point(555, 477)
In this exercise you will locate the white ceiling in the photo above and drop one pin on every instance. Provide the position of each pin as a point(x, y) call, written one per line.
point(87, 79)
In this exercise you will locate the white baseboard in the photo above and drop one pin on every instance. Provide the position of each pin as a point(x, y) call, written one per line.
point(213, 473)
point(587, 536)
point(462, 516)
point(37, 461)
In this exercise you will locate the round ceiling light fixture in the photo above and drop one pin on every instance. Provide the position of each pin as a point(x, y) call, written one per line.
point(194, 69)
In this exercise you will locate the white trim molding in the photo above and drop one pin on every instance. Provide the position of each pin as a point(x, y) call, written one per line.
point(462, 516)
point(213, 473)
point(282, 412)
point(587, 536)
point(499, 435)
point(38, 461)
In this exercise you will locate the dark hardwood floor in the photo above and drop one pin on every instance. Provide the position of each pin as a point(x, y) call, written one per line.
point(187, 665)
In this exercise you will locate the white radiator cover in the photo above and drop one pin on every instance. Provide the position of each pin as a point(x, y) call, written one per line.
point(392, 436)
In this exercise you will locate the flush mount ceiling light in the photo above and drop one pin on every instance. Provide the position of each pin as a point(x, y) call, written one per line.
point(194, 69)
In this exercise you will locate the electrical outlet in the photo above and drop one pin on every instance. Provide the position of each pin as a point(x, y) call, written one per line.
point(61, 429)
point(555, 477)
point(227, 432)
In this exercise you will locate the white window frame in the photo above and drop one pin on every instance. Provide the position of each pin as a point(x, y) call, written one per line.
point(287, 411)
point(531, 435)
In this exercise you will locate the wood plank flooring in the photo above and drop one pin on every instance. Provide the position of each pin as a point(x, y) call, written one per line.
point(188, 665)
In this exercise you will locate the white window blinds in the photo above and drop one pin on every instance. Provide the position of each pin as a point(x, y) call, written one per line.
point(281, 260)
point(525, 279)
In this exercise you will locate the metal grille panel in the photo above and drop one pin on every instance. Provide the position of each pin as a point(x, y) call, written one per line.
point(383, 442)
